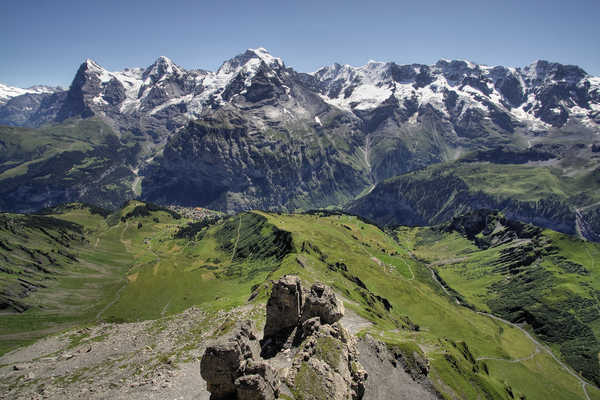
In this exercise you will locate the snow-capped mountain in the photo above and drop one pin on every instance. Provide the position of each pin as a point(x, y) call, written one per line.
point(165, 96)
point(8, 92)
point(257, 134)
point(541, 95)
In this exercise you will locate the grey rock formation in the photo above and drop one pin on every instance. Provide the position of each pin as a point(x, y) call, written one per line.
point(284, 306)
point(232, 367)
point(259, 382)
point(321, 302)
point(391, 376)
point(326, 363)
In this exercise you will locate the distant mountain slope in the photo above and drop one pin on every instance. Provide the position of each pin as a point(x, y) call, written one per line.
point(311, 140)
point(81, 160)
point(538, 192)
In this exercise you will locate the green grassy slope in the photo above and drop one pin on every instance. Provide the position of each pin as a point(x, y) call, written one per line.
point(524, 274)
point(141, 264)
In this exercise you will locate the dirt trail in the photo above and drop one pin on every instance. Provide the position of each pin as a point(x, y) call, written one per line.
point(113, 301)
point(512, 360)
point(164, 310)
point(545, 349)
point(539, 346)
point(237, 239)
point(126, 243)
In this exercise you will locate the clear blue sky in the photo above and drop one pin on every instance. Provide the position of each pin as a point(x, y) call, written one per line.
point(44, 41)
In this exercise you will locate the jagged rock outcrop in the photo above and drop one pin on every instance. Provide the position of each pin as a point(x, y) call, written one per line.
point(284, 307)
point(322, 303)
point(232, 367)
point(325, 365)
point(290, 306)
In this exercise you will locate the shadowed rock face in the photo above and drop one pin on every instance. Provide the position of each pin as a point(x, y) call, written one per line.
point(233, 369)
point(290, 306)
point(284, 306)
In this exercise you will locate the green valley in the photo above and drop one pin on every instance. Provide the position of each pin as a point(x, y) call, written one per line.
point(145, 262)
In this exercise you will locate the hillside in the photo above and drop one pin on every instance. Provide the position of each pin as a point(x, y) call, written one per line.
point(79, 160)
point(146, 263)
point(522, 273)
point(533, 186)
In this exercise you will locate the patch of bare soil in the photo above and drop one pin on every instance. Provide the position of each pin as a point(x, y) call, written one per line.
point(151, 360)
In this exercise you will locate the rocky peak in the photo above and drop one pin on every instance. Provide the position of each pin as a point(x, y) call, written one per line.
point(456, 70)
point(308, 322)
point(91, 69)
point(250, 62)
point(162, 67)
point(542, 71)
point(267, 58)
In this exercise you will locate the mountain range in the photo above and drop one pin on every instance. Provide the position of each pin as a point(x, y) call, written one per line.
point(395, 231)
point(257, 134)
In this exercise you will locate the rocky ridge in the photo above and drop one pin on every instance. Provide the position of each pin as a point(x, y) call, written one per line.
point(303, 322)
point(540, 95)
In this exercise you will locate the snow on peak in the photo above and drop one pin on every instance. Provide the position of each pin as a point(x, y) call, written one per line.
point(164, 60)
point(542, 70)
point(264, 55)
point(92, 66)
point(44, 89)
point(163, 66)
point(247, 65)
point(8, 92)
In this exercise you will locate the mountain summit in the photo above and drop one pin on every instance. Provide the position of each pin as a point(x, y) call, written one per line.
point(540, 96)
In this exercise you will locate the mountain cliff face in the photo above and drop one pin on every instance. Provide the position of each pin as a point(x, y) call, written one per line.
point(256, 133)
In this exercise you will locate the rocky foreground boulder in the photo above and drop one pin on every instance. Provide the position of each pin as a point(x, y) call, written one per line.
point(289, 306)
point(232, 367)
point(302, 326)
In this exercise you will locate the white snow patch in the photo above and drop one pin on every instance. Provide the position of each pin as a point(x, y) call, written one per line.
point(8, 92)
point(267, 58)
point(176, 100)
point(100, 72)
point(318, 121)
point(99, 100)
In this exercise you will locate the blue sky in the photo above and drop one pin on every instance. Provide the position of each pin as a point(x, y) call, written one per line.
point(44, 41)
